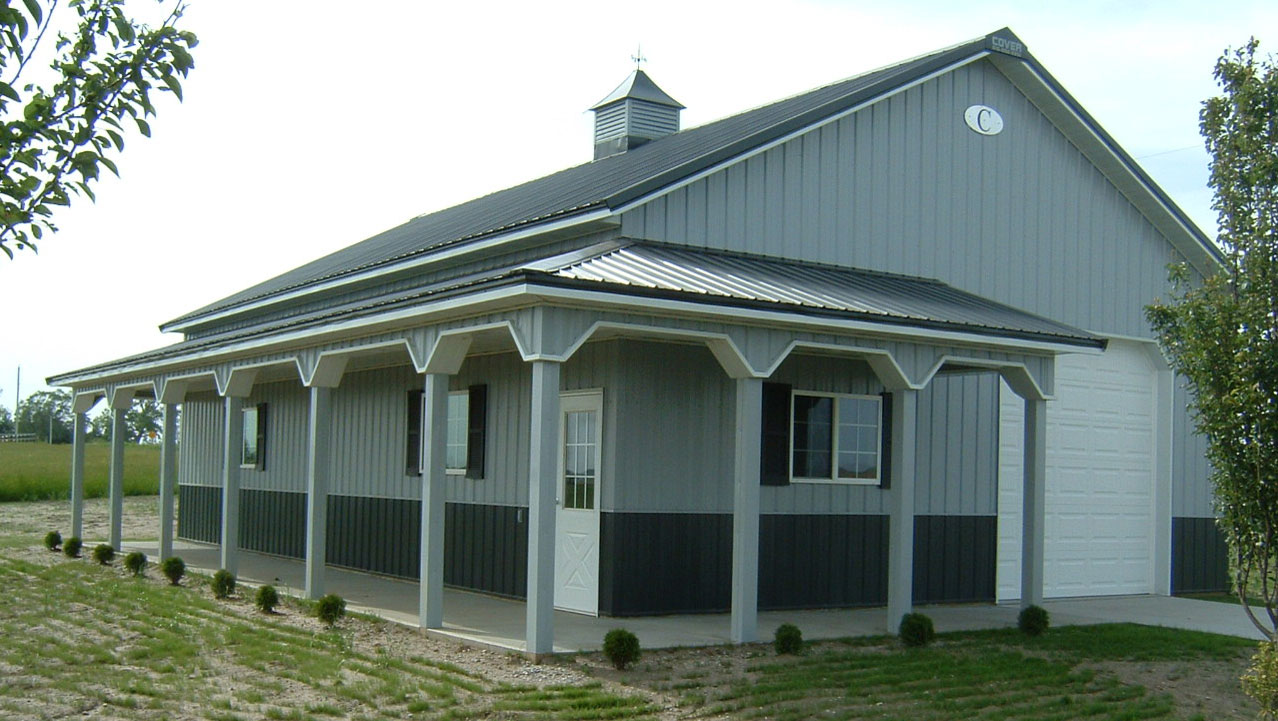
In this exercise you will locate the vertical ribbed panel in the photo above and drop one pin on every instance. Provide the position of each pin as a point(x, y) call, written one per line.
point(905, 186)
point(287, 408)
point(200, 441)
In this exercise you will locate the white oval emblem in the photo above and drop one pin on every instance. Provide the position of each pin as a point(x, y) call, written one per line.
point(984, 120)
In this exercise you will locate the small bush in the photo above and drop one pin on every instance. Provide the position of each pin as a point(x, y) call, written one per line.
point(788, 639)
point(52, 540)
point(223, 583)
point(1033, 620)
point(916, 630)
point(330, 608)
point(103, 554)
point(621, 647)
point(1261, 680)
point(266, 599)
point(72, 547)
point(173, 569)
point(136, 563)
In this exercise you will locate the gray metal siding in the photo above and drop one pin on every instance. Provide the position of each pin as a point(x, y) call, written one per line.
point(674, 407)
point(287, 411)
point(200, 441)
point(1191, 487)
point(891, 188)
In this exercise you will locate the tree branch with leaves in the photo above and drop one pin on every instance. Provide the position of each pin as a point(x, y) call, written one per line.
point(54, 140)
point(1221, 331)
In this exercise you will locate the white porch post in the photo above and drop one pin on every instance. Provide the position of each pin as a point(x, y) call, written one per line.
point(1034, 502)
point(168, 478)
point(231, 457)
point(543, 472)
point(901, 508)
point(116, 515)
point(77, 476)
point(434, 445)
point(318, 470)
point(745, 511)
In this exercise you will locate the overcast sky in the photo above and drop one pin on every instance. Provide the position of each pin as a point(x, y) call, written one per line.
point(308, 126)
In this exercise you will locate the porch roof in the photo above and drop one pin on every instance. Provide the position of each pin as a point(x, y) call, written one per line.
point(744, 284)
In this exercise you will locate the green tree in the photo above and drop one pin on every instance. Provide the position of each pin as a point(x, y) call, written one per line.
point(44, 412)
point(57, 137)
point(1221, 331)
point(6, 420)
point(143, 422)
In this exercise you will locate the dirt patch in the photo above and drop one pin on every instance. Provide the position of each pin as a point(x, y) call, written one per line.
point(1209, 688)
point(141, 518)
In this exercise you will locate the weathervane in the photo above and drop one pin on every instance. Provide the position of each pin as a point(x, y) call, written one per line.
point(638, 57)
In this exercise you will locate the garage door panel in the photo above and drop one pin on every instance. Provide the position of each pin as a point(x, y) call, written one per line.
point(1098, 529)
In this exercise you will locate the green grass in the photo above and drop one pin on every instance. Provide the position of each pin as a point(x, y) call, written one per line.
point(81, 639)
point(42, 472)
point(981, 675)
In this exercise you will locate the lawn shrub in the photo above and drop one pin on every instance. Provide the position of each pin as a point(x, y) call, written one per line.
point(1261, 680)
point(103, 553)
point(621, 647)
point(52, 540)
point(223, 583)
point(330, 609)
point(788, 639)
point(1033, 620)
point(72, 547)
point(916, 630)
point(135, 562)
point(173, 569)
point(266, 599)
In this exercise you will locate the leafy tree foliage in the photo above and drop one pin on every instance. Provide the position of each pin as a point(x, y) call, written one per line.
point(46, 411)
point(143, 423)
point(1221, 331)
point(56, 138)
point(6, 420)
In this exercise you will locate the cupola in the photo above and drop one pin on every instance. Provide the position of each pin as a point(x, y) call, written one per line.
point(636, 112)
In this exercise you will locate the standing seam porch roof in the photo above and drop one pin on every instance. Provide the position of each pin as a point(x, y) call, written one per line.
point(712, 277)
point(611, 182)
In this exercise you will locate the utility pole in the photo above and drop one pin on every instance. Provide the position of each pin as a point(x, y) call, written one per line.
point(17, 398)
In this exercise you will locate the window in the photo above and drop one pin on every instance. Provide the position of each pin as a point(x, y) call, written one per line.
point(458, 422)
point(464, 447)
point(835, 438)
point(253, 449)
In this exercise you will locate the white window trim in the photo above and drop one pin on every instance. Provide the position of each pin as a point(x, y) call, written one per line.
point(461, 470)
point(834, 442)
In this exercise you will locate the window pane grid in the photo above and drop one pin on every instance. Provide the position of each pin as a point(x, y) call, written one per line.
point(579, 460)
point(835, 437)
point(458, 415)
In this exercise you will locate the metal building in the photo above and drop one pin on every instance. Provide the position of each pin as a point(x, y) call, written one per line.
point(879, 343)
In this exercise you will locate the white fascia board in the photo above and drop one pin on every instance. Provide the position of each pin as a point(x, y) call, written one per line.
point(757, 150)
point(522, 294)
point(592, 298)
point(424, 260)
point(1113, 165)
point(306, 337)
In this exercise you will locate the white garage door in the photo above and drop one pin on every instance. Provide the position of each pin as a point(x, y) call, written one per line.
point(1099, 530)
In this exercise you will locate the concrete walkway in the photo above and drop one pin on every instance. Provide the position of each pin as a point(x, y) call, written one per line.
point(499, 623)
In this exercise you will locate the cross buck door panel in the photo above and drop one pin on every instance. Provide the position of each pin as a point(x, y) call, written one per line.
point(577, 503)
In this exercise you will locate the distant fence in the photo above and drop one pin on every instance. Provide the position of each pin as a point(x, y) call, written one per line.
point(17, 438)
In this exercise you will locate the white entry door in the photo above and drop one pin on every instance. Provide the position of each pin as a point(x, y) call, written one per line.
point(1100, 516)
point(577, 508)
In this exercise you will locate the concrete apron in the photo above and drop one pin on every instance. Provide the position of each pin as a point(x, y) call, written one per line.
point(498, 623)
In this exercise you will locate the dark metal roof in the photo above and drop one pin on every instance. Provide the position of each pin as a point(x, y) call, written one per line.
point(640, 87)
point(723, 277)
point(713, 277)
point(604, 183)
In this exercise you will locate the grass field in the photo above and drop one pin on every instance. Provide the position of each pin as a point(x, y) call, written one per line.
point(40, 472)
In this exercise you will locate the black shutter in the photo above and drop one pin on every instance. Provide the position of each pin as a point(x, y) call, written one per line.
point(413, 451)
point(885, 447)
point(261, 436)
point(475, 427)
point(774, 460)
